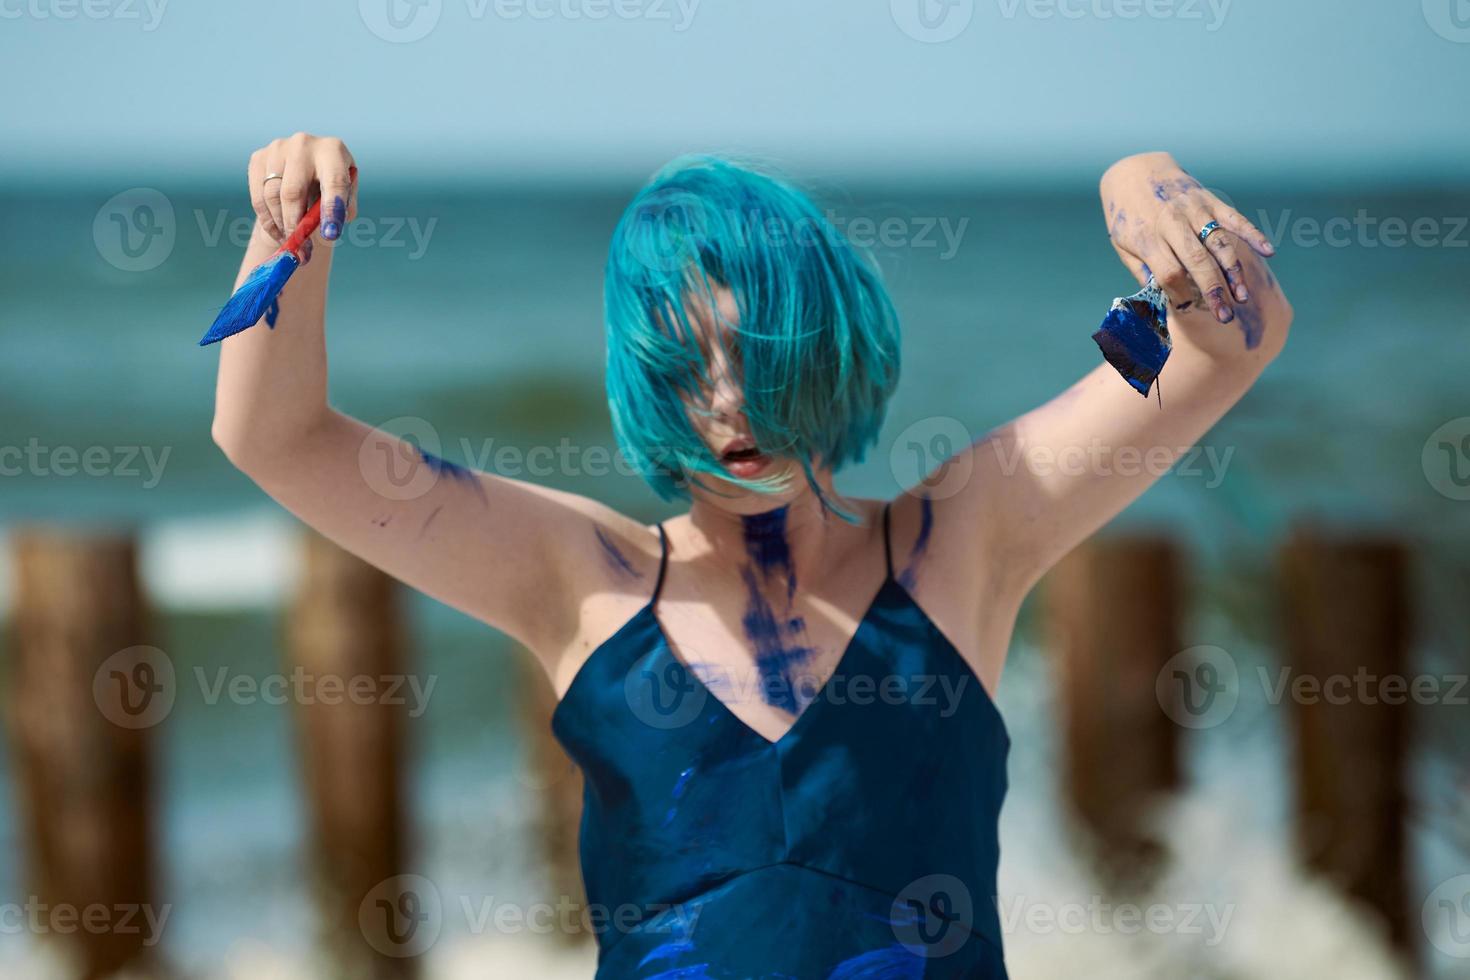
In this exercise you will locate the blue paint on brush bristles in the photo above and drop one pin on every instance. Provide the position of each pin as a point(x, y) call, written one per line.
point(1134, 337)
point(255, 298)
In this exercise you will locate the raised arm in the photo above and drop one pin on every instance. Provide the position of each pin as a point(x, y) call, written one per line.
point(1041, 484)
point(523, 558)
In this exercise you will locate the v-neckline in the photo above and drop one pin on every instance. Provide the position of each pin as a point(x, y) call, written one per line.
point(819, 696)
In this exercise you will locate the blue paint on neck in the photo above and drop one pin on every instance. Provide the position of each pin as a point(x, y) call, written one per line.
point(775, 653)
point(765, 540)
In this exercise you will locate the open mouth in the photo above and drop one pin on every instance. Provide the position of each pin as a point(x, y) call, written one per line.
point(743, 458)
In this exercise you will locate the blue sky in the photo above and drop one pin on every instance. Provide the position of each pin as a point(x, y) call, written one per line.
point(1303, 89)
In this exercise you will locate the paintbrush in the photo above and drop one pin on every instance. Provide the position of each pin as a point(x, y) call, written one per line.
point(256, 297)
point(1134, 337)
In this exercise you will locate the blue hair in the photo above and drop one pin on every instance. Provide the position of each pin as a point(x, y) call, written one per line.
point(816, 343)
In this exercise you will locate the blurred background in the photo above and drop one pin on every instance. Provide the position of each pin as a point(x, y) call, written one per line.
point(1292, 815)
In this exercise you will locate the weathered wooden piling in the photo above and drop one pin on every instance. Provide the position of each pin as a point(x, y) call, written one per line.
point(345, 628)
point(1112, 612)
point(556, 795)
point(84, 698)
point(1347, 623)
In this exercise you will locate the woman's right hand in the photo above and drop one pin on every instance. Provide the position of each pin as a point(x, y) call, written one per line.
point(309, 168)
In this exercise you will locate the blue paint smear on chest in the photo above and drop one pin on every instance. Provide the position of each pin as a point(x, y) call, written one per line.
point(894, 962)
point(773, 636)
point(455, 472)
point(907, 577)
point(615, 559)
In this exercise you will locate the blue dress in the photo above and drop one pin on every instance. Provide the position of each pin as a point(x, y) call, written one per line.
point(861, 844)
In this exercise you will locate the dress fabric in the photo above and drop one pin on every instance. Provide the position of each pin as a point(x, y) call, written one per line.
point(861, 844)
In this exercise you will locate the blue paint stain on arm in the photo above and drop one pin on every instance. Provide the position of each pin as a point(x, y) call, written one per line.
point(273, 311)
point(614, 557)
point(1248, 319)
point(455, 472)
point(909, 575)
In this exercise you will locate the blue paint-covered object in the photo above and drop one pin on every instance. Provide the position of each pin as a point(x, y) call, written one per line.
point(1134, 337)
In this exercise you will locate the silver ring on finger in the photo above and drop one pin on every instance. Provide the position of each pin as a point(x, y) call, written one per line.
point(1204, 233)
point(271, 177)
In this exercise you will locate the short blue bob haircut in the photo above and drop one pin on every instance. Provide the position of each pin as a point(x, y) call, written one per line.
point(816, 346)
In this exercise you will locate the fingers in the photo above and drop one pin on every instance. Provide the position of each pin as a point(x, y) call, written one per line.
point(1235, 222)
point(1221, 244)
point(260, 166)
point(1135, 265)
point(1201, 272)
point(333, 168)
point(297, 181)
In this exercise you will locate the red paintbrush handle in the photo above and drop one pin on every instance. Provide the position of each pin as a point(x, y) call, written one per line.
point(308, 223)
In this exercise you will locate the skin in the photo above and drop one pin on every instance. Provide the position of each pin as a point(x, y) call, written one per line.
point(535, 562)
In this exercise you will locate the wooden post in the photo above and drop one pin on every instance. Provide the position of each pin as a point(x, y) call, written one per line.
point(556, 784)
point(1347, 627)
point(81, 733)
point(1112, 611)
point(345, 625)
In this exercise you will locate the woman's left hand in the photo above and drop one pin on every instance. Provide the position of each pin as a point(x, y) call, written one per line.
point(1155, 212)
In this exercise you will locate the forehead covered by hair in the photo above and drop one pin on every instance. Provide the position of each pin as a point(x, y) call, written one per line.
point(714, 252)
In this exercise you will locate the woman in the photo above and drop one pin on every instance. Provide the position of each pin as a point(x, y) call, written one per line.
point(781, 698)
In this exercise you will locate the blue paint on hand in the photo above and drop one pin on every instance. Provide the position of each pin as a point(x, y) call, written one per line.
point(336, 217)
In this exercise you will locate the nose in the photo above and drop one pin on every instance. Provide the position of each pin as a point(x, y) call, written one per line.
point(727, 396)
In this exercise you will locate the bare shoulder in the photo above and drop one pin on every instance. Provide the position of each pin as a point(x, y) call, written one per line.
point(943, 556)
point(613, 572)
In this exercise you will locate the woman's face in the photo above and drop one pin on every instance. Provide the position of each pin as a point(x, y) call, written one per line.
point(716, 412)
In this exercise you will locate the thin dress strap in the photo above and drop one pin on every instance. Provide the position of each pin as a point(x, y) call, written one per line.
point(887, 548)
point(663, 564)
